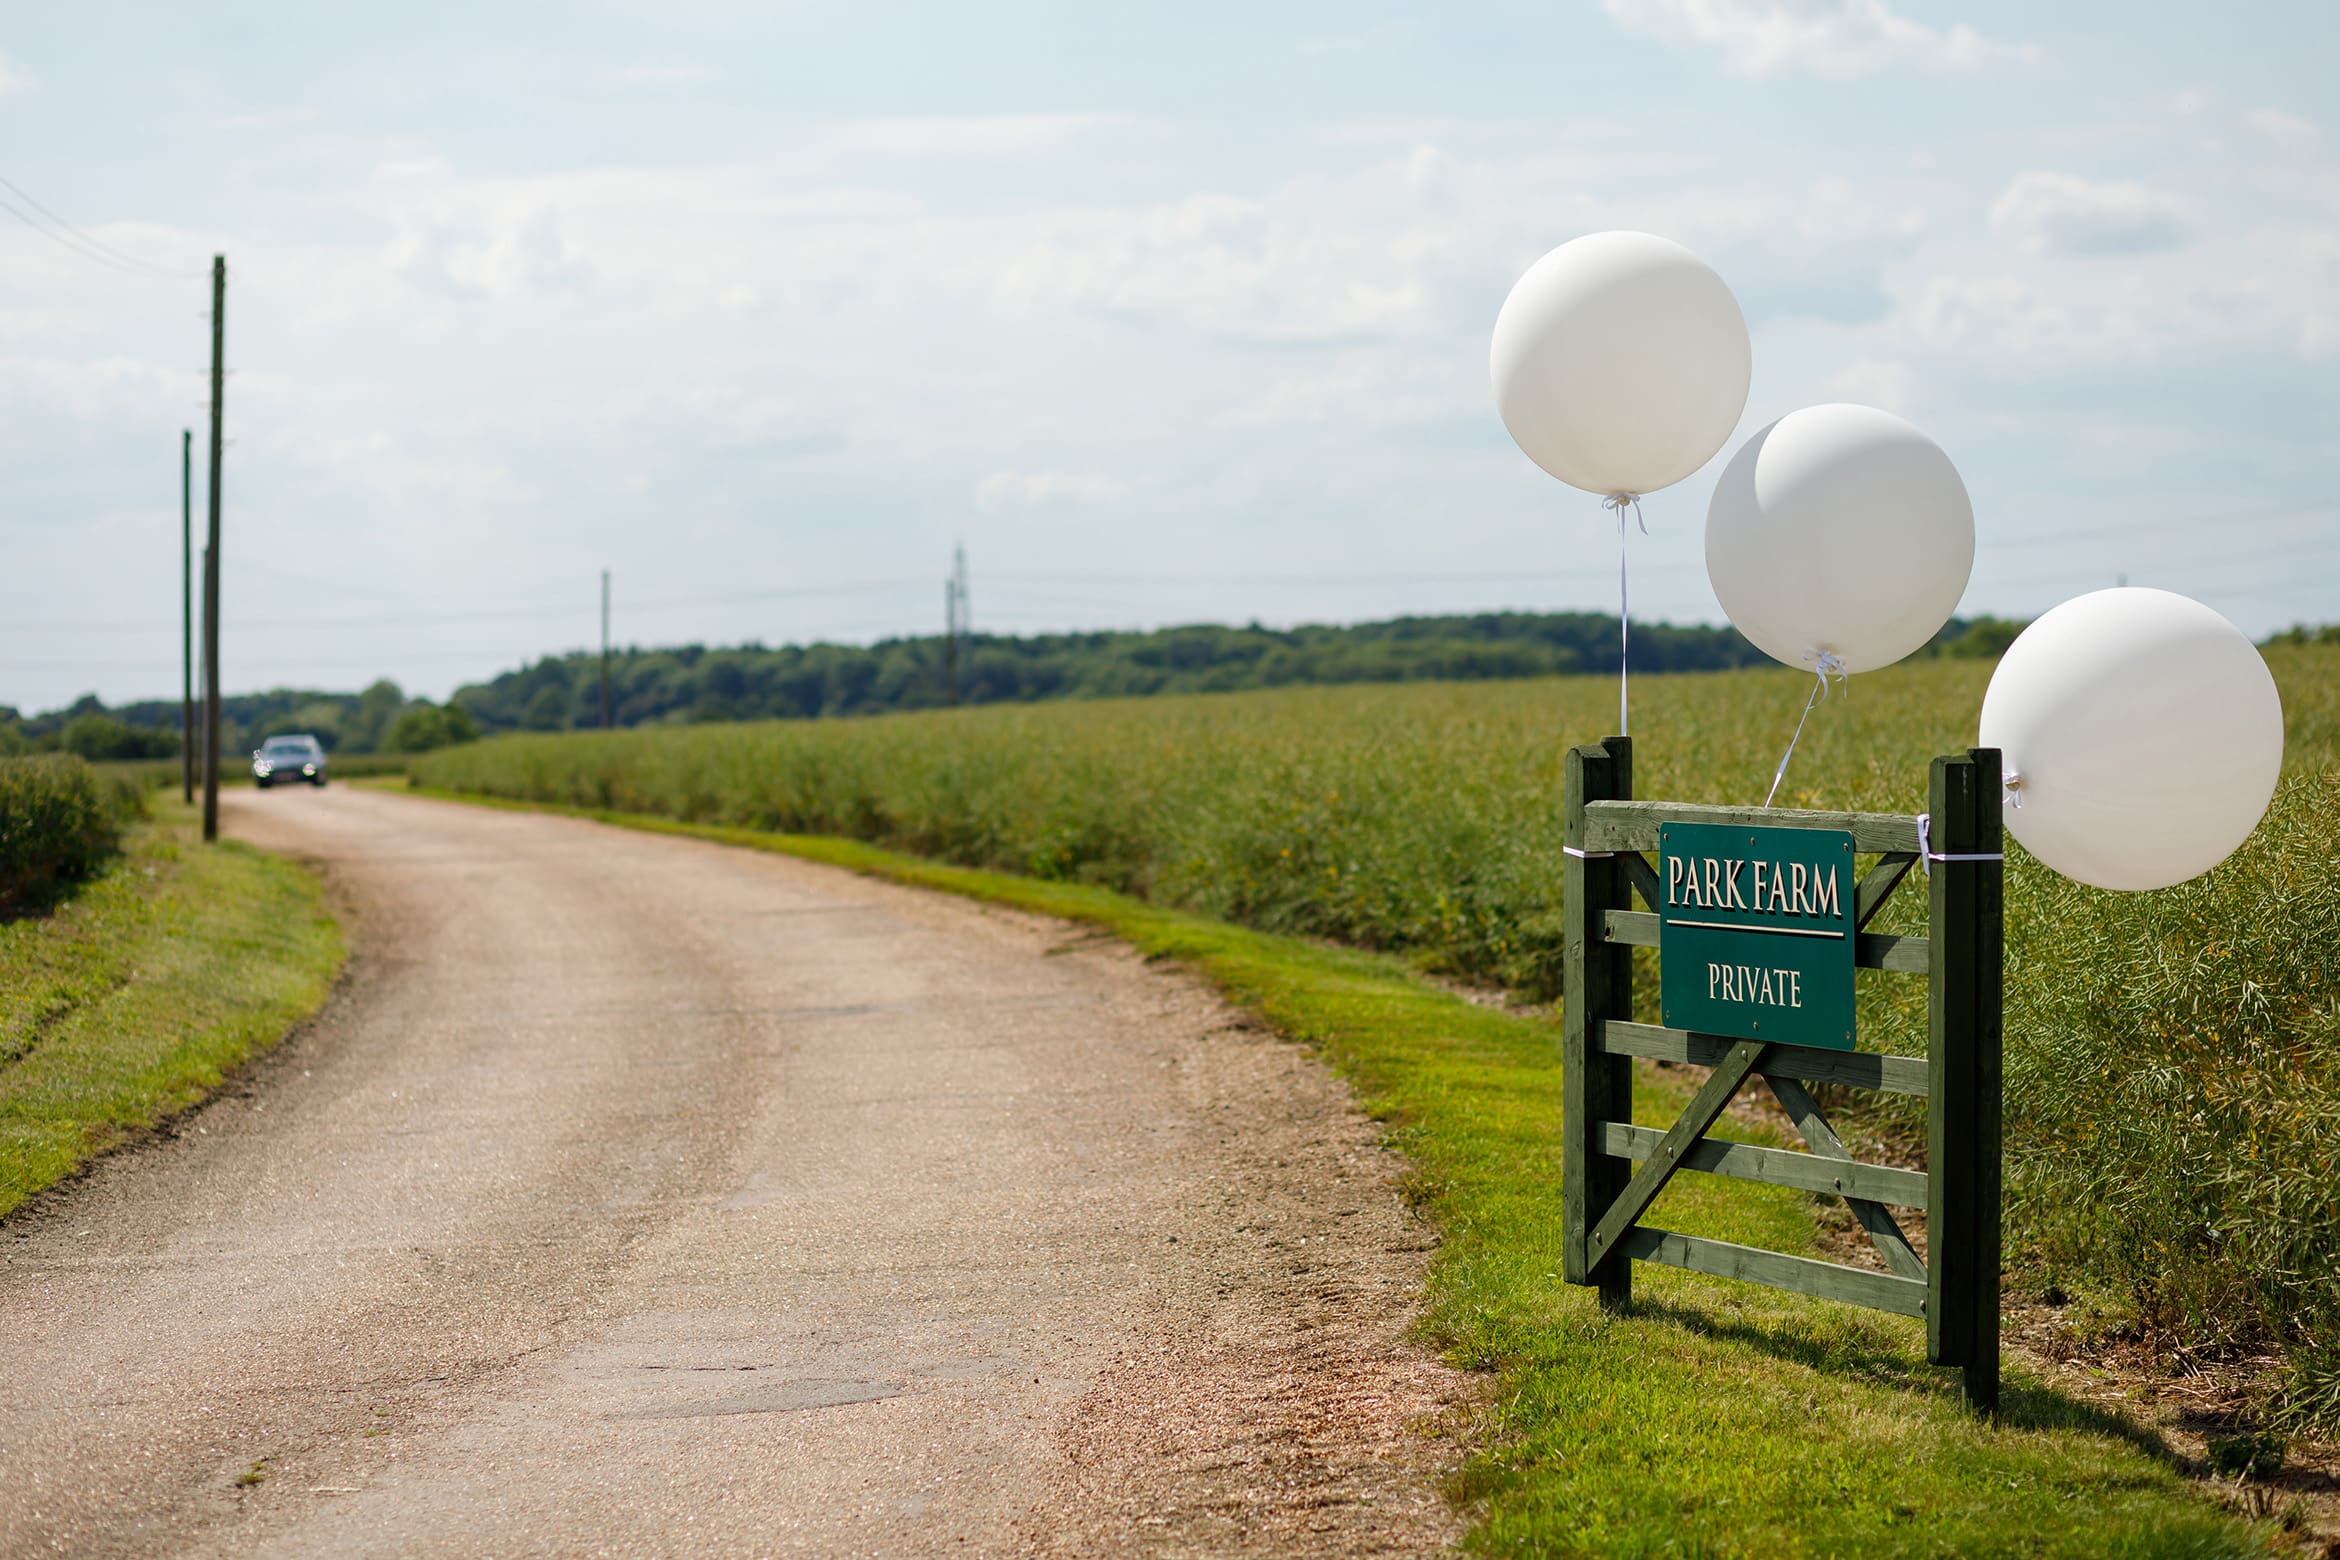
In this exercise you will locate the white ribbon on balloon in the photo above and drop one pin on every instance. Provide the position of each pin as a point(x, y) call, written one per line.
point(1825, 665)
point(1620, 502)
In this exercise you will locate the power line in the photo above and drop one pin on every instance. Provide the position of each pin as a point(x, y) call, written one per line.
point(87, 245)
point(480, 614)
point(1504, 577)
point(1522, 579)
point(2127, 529)
point(2191, 568)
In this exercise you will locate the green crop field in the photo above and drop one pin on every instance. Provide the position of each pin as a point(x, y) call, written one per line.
point(2173, 1058)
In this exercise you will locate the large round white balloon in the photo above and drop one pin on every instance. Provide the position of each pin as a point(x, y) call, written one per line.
point(1839, 530)
point(2143, 734)
point(1620, 362)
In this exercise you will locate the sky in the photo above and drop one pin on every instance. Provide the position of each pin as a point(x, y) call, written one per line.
point(1169, 313)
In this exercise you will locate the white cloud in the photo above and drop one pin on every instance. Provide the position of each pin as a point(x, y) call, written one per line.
point(2056, 214)
point(2319, 337)
point(1008, 490)
point(670, 74)
point(1996, 317)
point(2288, 129)
point(1885, 382)
point(117, 385)
point(14, 78)
point(469, 254)
point(1369, 392)
point(267, 121)
point(1825, 37)
point(1312, 263)
point(1380, 36)
point(974, 135)
point(2256, 293)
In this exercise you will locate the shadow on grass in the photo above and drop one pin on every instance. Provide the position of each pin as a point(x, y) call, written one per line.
point(41, 897)
point(2024, 1403)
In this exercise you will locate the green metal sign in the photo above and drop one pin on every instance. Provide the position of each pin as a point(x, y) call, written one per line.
point(1756, 934)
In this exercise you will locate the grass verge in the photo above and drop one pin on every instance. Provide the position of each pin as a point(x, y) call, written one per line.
point(1715, 1419)
point(136, 996)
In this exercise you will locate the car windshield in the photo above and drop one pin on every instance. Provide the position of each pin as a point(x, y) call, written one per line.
point(287, 745)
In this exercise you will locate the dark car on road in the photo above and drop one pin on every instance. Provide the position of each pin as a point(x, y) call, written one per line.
point(289, 759)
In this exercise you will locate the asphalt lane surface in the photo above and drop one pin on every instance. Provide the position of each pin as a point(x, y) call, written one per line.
point(636, 1195)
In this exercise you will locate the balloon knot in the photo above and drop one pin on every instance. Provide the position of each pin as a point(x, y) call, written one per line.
point(1826, 664)
point(1621, 502)
point(2011, 789)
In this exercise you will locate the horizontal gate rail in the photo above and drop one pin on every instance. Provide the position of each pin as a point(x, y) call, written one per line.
point(1614, 1169)
point(1871, 950)
point(1777, 1166)
point(1620, 825)
point(1721, 1259)
point(1877, 887)
point(1860, 1069)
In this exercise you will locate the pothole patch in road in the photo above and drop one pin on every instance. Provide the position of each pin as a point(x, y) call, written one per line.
point(793, 1397)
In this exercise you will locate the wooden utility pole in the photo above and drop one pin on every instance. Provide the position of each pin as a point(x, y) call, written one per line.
point(211, 560)
point(187, 615)
point(605, 649)
point(202, 572)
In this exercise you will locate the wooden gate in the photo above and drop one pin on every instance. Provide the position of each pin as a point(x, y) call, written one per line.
point(1956, 1288)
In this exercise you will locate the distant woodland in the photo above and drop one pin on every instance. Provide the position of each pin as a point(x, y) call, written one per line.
point(382, 719)
point(693, 683)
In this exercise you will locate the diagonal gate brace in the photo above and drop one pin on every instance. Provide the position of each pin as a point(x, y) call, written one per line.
point(1884, 1230)
point(1704, 1109)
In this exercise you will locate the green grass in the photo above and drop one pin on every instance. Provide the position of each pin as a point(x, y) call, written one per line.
point(60, 820)
point(2174, 1058)
point(136, 996)
point(1715, 1419)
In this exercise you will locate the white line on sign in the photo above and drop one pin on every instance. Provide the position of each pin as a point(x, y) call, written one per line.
point(1776, 931)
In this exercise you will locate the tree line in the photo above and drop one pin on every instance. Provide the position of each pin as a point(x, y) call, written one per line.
point(695, 683)
point(381, 719)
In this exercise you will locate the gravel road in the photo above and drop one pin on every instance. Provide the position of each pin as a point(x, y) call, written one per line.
point(635, 1195)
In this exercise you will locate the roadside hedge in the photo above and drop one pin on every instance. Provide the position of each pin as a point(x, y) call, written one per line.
point(59, 821)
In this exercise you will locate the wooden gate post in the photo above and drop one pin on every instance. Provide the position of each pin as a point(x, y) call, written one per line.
point(1596, 1087)
point(1963, 1049)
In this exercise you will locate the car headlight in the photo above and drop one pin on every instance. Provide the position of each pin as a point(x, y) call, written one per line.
point(261, 766)
point(308, 769)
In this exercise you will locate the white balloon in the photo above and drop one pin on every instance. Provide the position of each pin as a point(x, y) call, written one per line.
point(2144, 735)
point(1839, 530)
point(1620, 362)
